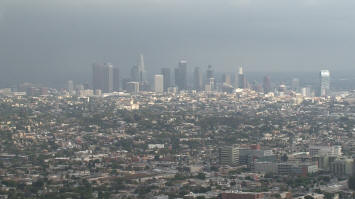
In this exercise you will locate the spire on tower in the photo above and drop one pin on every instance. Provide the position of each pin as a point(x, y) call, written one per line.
point(141, 62)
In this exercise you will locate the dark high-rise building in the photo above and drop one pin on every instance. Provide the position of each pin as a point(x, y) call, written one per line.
point(181, 75)
point(108, 78)
point(116, 79)
point(166, 72)
point(125, 83)
point(209, 72)
point(135, 74)
point(86, 85)
point(141, 70)
point(267, 84)
point(103, 77)
point(212, 84)
point(197, 79)
point(236, 80)
point(97, 76)
point(209, 75)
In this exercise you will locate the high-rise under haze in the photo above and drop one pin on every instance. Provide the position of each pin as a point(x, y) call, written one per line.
point(227, 79)
point(141, 69)
point(324, 82)
point(236, 80)
point(138, 71)
point(209, 72)
point(133, 87)
point(158, 83)
point(103, 77)
point(181, 75)
point(135, 73)
point(267, 84)
point(166, 72)
point(70, 86)
point(242, 83)
point(295, 84)
point(116, 79)
point(197, 79)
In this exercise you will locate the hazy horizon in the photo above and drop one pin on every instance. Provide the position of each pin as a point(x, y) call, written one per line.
point(53, 41)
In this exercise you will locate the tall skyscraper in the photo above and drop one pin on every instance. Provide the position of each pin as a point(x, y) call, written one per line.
point(295, 84)
point(70, 86)
point(209, 75)
point(212, 84)
point(197, 79)
point(242, 82)
point(141, 69)
point(108, 78)
point(306, 91)
point(103, 77)
point(138, 71)
point(181, 75)
point(324, 82)
point(236, 80)
point(116, 79)
point(267, 84)
point(97, 76)
point(135, 73)
point(227, 79)
point(125, 83)
point(209, 72)
point(158, 83)
point(167, 78)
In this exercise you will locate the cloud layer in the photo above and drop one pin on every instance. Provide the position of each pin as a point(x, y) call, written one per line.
point(59, 39)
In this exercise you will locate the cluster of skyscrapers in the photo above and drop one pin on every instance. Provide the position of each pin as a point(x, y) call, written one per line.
point(106, 78)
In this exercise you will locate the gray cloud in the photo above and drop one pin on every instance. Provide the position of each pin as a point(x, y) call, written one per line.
point(60, 39)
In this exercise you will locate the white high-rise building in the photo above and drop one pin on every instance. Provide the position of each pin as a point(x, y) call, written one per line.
point(324, 82)
point(158, 83)
point(229, 155)
point(306, 92)
point(242, 83)
point(240, 71)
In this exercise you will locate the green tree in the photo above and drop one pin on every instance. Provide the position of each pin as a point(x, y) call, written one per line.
point(351, 183)
point(201, 176)
point(308, 197)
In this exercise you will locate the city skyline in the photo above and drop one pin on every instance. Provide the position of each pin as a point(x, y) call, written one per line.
point(177, 99)
point(107, 79)
point(116, 81)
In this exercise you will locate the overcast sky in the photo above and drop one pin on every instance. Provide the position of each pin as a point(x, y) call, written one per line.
point(56, 40)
